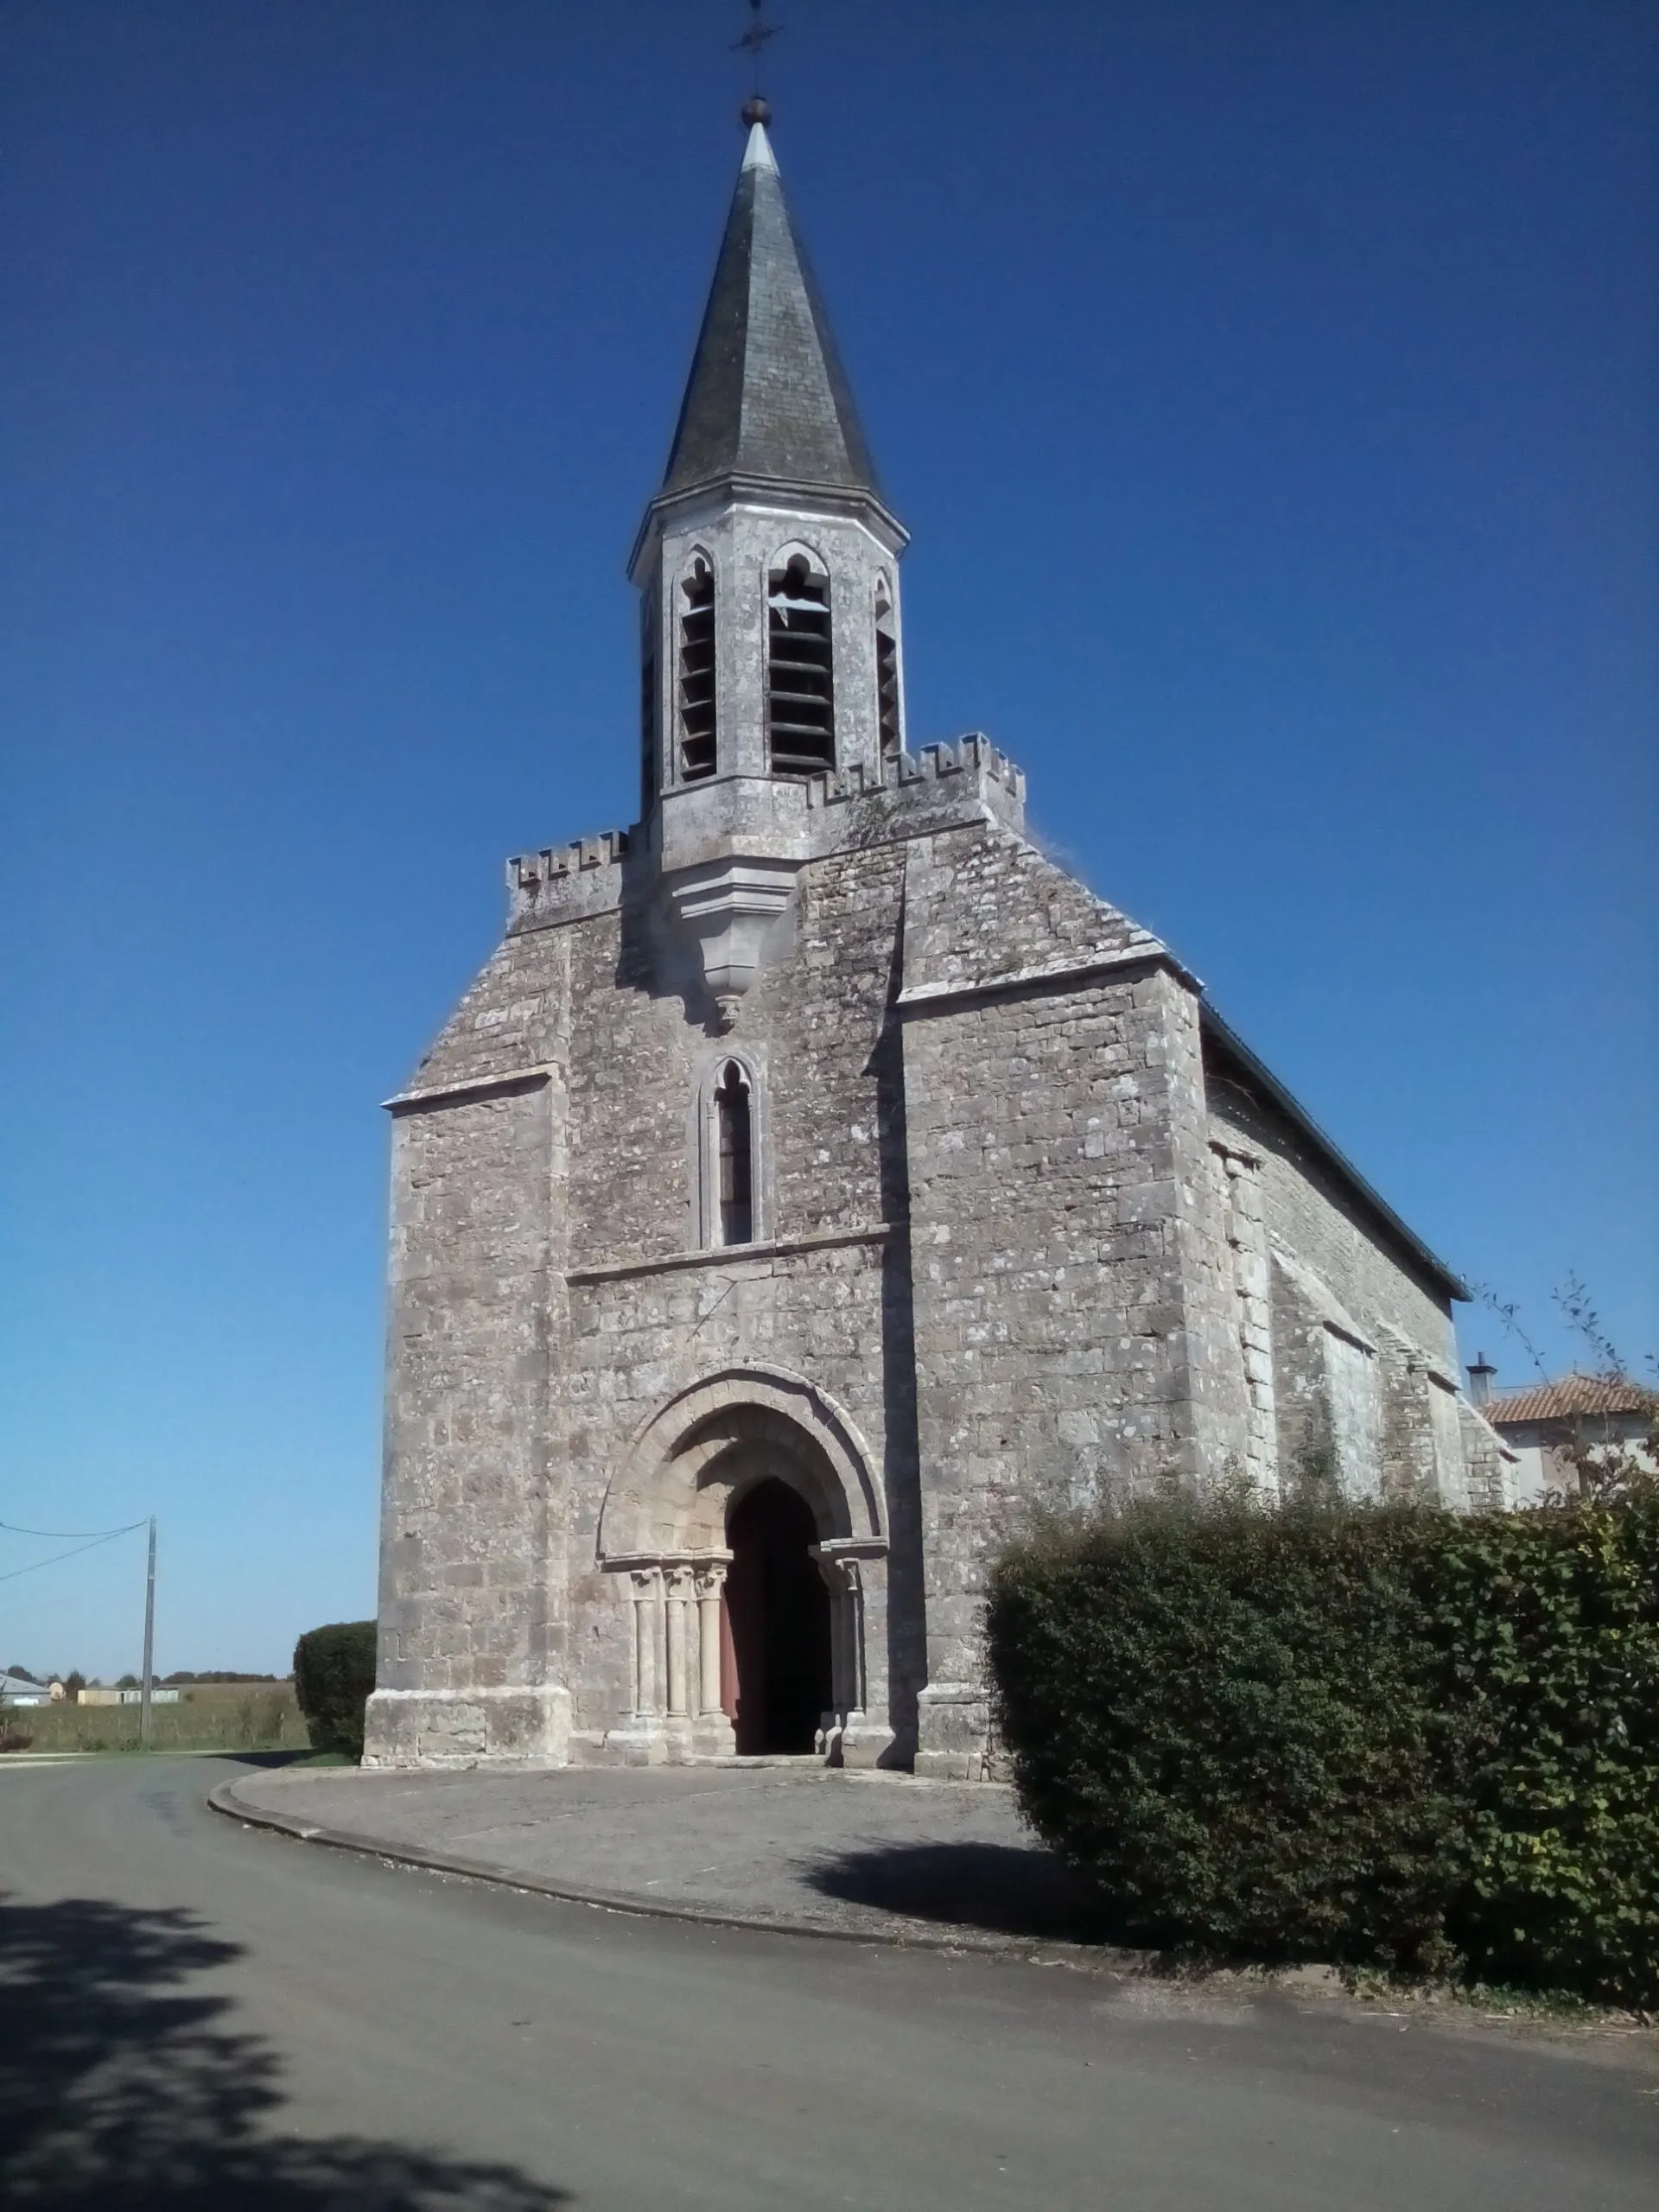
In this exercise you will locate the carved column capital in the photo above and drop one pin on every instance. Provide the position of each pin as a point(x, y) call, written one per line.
point(844, 1577)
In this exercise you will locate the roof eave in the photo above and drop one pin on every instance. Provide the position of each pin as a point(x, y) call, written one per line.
point(786, 491)
point(1231, 1043)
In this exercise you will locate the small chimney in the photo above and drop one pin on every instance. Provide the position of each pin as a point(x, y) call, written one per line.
point(1481, 1378)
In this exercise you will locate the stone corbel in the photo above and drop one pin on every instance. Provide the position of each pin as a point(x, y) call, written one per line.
point(728, 909)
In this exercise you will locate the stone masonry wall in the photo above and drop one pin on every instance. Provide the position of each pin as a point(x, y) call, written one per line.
point(1308, 1214)
point(1362, 1345)
point(469, 1593)
point(1054, 1119)
point(596, 1004)
point(1008, 1227)
point(637, 1338)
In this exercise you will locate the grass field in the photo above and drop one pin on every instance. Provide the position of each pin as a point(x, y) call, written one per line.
point(209, 1717)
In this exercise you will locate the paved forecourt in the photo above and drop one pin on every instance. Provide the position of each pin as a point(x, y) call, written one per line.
point(804, 1847)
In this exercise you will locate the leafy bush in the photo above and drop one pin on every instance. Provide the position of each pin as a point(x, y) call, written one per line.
point(1382, 1735)
point(334, 1674)
point(1549, 1622)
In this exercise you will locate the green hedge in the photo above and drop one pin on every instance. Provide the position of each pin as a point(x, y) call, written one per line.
point(1393, 1736)
point(334, 1674)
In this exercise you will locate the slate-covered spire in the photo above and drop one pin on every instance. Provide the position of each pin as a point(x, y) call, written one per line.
point(766, 397)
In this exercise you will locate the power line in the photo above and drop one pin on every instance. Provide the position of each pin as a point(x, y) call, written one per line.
point(73, 1553)
point(68, 1535)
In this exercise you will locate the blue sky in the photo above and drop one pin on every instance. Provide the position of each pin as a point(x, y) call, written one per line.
point(1269, 390)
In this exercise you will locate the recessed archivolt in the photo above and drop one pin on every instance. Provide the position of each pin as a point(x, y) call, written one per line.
point(673, 1488)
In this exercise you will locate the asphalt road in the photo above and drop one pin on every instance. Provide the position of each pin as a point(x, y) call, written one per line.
point(194, 2015)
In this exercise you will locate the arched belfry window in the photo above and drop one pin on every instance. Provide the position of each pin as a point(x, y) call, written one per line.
point(734, 1155)
point(800, 671)
point(886, 672)
point(696, 671)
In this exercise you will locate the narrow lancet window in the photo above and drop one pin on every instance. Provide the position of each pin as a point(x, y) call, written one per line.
point(800, 676)
point(736, 1154)
point(886, 674)
point(697, 745)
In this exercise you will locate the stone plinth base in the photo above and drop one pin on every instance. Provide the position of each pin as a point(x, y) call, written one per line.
point(467, 1728)
point(859, 1740)
point(953, 1733)
point(653, 1739)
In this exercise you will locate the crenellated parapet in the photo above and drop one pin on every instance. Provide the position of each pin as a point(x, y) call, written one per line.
point(526, 871)
point(563, 882)
point(984, 770)
point(795, 820)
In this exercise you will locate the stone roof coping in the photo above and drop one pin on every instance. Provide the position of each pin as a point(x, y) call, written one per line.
point(1233, 1046)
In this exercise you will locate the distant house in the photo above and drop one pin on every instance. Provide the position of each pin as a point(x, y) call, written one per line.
point(17, 1689)
point(95, 1694)
point(1540, 1423)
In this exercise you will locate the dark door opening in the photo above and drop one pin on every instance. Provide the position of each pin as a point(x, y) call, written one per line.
point(778, 1610)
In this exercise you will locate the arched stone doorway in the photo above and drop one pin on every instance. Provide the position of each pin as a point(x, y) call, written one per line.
point(752, 1474)
point(781, 1687)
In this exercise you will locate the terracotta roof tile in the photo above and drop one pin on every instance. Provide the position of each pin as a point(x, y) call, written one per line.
point(1573, 1395)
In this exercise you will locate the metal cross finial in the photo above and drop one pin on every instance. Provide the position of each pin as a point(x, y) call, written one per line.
point(754, 42)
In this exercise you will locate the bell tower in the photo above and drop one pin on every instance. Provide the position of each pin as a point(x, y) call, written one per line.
point(768, 572)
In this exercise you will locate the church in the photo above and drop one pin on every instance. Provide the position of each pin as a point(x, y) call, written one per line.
point(817, 1178)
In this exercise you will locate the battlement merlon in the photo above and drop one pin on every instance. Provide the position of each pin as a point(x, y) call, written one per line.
point(554, 862)
point(938, 787)
point(989, 773)
point(563, 882)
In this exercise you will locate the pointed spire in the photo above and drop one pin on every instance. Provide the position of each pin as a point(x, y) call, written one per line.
point(766, 396)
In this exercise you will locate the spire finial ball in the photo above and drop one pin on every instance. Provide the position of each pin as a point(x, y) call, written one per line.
point(756, 110)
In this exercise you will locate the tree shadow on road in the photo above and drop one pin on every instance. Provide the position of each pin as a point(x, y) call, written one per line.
point(1000, 1887)
point(123, 2088)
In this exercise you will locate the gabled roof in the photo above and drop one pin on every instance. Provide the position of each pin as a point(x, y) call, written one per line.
point(1573, 1396)
point(766, 396)
point(1226, 1045)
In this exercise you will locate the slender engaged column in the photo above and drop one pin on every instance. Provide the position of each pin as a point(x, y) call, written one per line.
point(843, 1577)
point(647, 1584)
point(833, 1576)
point(852, 1636)
point(709, 1581)
point(678, 1591)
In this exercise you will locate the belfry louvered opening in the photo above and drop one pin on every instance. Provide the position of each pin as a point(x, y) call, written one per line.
point(736, 1151)
point(800, 673)
point(697, 672)
point(886, 673)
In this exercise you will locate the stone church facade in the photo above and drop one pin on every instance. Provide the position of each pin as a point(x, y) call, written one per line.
point(817, 1177)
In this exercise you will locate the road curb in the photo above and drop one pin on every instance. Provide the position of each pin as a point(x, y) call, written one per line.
point(909, 1938)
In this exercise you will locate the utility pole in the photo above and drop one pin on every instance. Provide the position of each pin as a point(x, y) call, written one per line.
point(144, 1730)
